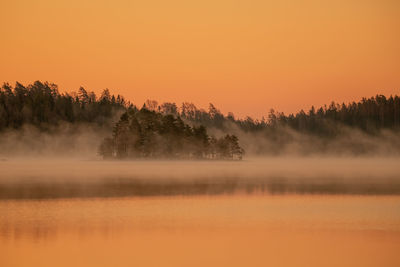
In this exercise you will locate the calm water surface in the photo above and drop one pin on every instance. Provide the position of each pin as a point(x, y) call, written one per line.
point(218, 230)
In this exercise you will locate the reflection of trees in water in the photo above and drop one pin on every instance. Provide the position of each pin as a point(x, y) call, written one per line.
point(49, 229)
point(35, 231)
point(130, 187)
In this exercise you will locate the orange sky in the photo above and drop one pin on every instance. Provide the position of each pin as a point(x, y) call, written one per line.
point(245, 56)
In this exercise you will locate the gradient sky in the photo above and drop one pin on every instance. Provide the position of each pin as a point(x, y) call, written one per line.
point(244, 56)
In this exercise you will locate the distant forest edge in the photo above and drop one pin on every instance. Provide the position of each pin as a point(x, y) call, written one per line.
point(157, 130)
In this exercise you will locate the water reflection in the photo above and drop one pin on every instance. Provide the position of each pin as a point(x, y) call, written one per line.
point(231, 230)
point(264, 213)
point(53, 179)
point(42, 219)
point(130, 187)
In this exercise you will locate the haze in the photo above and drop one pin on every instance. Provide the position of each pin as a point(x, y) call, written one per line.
point(51, 178)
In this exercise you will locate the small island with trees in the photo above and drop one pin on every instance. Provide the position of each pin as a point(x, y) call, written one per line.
point(146, 133)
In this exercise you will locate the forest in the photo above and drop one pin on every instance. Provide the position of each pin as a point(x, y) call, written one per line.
point(167, 130)
point(42, 105)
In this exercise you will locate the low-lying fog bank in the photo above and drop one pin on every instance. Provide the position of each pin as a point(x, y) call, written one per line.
point(59, 178)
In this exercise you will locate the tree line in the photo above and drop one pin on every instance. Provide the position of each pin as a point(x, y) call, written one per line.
point(42, 105)
point(369, 115)
point(146, 133)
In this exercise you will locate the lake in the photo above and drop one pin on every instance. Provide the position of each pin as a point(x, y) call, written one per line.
point(266, 212)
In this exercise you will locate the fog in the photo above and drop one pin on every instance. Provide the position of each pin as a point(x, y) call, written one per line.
point(64, 141)
point(58, 178)
point(82, 141)
point(64, 162)
point(285, 141)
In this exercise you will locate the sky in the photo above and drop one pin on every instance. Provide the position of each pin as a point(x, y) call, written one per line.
point(244, 56)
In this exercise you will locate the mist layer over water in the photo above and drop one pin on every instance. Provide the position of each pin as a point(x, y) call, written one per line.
point(286, 211)
point(52, 178)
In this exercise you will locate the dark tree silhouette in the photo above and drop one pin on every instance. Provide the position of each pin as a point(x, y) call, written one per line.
point(146, 133)
point(166, 130)
point(40, 104)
